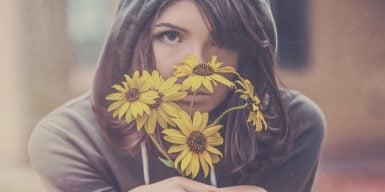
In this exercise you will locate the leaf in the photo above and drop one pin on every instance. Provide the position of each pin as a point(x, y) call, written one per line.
point(168, 163)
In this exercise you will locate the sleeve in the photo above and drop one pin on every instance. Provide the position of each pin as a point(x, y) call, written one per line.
point(64, 162)
point(297, 174)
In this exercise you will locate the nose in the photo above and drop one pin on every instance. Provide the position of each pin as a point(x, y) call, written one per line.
point(202, 51)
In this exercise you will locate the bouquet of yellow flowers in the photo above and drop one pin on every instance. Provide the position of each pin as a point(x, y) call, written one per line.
point(148, 100)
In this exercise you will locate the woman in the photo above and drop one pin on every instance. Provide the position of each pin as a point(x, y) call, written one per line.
point(81, 147)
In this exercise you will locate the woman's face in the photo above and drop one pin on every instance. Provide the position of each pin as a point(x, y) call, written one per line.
point(179, 31)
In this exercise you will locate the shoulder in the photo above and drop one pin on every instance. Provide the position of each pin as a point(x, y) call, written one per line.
point(306, 126)
point(75, 118)
point(304, 115)
point(67, 138)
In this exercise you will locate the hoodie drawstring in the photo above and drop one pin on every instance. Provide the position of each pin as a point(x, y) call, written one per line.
point(146, 172)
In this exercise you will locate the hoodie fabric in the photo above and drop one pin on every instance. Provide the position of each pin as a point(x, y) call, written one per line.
point(72, 153)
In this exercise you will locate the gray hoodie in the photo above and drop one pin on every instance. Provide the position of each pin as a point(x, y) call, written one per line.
point(72, 153)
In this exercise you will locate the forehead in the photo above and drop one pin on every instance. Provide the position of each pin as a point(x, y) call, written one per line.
point(183, 12)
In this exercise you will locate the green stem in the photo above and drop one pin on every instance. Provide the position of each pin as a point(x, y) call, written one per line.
point(163, 152)
point(227, 111)
point(159, 147)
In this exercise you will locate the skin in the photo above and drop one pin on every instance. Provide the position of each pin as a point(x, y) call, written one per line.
point(180, 31)
point(180, 184)
point(176, 184)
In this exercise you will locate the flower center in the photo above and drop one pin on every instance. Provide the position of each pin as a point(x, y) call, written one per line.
point(197, 142)
point(203, 70)
point(158, 101)
point(133, 94)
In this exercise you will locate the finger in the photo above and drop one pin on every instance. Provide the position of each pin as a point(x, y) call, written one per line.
point(243, 188)
point(193, 186)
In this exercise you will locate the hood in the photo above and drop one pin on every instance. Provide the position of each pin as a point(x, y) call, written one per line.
point(117, 54)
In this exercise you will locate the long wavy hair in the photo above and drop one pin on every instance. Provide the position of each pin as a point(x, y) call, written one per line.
point(247, 27)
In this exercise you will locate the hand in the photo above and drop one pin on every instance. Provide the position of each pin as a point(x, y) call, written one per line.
point(176, 184)
point(243, 188)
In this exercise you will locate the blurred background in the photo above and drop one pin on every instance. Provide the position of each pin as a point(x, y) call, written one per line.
point(332, 51)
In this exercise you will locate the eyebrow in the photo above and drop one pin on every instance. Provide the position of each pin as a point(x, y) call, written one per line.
point(169, 25)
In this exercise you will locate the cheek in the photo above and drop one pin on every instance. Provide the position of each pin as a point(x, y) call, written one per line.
point(166, 57)
point(162, 60)
point(220, 93)
point(228, 57)
point(163, 67)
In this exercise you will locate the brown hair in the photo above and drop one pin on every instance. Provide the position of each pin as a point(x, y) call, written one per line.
point(247, 27)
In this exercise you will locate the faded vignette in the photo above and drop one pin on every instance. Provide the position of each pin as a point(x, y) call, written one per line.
point(49, 49)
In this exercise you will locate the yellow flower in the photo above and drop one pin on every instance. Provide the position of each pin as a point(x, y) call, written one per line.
point(199, 74)
point(133, 98)
point(255, 115)
point(194, 141)
point(164, 107)
point(258, 120)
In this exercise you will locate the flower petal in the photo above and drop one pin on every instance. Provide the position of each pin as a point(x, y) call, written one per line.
point(208, 86)
point(187, 83)
point(223, 80)
point(191, 61)
point(188, 171)
point(204, 164)
point(227, 69)
point(195, 165)
point(129, 117)
point(213, 150)
point(116, 97)
point(165, 116)
point(186, 160)
point(174, 133)
point(213, 60)
point(215, 141)
point(116, 112)
point(175, 96)
point(140, 122)
point(136, 75)
point(115, 105)
point(211, 130)
point(176, 148)
point(175, 140)
point(146, 84)
point(137, 108)
point(181, 156)
point(160, 120)
point(167, 84)
point(205, 118)
point(207, 157)
point(151, 123)
point(250, 117)
point(185, 117)
point(123, 109)
point(184, 129)
point(119, 88)
point(171, 108)
point(148, 97)
point(197, 121)
point(197, 82)
point(129, 81)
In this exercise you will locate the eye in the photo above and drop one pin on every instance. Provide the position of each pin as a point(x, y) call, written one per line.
point(172, 37)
